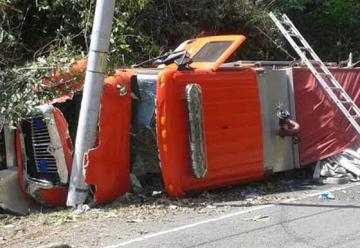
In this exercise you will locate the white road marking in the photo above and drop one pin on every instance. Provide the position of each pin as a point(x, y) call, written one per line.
point(251, 209)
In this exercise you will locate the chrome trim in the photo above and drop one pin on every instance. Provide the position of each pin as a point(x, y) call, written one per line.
point(32, 185)
point(56, 148)
point(193, 96)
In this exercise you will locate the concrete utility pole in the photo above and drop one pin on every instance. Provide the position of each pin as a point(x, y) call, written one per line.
point(89, 112)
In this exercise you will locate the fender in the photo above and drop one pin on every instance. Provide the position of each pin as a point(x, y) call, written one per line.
point(107, 165)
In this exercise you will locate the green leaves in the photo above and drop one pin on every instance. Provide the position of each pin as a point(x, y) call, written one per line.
point(43, 34)
point(28, 86)
point(329, 25)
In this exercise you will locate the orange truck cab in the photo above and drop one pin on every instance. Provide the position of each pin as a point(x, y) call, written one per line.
point(192, 119)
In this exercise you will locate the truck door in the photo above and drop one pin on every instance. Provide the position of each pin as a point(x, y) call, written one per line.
point(208, 120)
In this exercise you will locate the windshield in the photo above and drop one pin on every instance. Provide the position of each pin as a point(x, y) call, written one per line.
point(211, 51)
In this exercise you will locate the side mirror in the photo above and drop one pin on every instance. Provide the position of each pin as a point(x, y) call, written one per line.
point(183, 63)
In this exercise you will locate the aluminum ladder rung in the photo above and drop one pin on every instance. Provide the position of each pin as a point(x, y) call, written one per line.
point(295, 35)
point(336, 88)
point(304, 48)
point(330, 86)
point(329, 76)
point(314, 62)
point(286, 23)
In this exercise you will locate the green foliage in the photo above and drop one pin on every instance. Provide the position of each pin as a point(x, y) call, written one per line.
point(56, 31)
point(10, 36)
point(169, 22)
point(329, 25)
point(144, 28)
point(26, 87)
point(37, 36)
point(128, 45)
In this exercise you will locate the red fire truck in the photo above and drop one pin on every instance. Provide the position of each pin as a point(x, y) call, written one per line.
point(194, 119)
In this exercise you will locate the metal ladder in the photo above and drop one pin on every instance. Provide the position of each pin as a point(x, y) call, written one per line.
point(323, 75)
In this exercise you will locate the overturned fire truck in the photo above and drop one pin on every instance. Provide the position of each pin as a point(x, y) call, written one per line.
point(192, 120)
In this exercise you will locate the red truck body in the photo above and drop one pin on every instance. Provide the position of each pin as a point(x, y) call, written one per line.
point(216, 123)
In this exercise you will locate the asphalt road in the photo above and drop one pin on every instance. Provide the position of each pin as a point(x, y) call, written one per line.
point(308, 222)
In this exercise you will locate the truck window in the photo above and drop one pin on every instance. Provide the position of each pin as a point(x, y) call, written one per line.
point(211, 51)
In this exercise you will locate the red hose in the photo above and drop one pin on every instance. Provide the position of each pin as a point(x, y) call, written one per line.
point(291, 129)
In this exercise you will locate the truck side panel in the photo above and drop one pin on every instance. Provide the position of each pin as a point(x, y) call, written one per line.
point(232, 123)
point(324, 129)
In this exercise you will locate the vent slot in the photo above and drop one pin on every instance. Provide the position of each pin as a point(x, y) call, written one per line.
point(45, 162)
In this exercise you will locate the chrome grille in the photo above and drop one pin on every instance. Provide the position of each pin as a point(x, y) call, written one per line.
point(44, 160)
